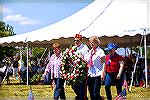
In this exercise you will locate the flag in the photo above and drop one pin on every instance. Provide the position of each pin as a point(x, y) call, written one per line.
point(125, 84)
point(122, 95)
point(30, 52)
point(30, 97)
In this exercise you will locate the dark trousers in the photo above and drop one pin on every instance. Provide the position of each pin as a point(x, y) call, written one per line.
point(94, 85)
point(109, 80)
point(59, 89)
point(80, 90)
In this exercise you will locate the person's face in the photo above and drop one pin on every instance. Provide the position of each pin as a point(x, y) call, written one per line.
point(77, 42)
point(93, 44)
point(56, 51)
point(112, 51)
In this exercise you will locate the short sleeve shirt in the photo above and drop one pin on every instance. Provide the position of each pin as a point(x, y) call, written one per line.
point(97, 67)
point(113, 64)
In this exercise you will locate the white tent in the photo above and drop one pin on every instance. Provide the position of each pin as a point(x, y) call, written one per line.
point(117, 18)
point(100, 18)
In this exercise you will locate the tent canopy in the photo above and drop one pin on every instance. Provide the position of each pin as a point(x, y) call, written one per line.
point(121, 23)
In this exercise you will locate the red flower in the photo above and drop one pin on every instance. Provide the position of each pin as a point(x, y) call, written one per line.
point(75, 64)
point(72, 77)
point(77, 71)
point(66, 79)
point(72, 51)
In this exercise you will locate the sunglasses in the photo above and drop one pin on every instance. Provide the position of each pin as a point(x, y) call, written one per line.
point(76, 40)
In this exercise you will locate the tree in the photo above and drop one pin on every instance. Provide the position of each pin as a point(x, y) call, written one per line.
point(6, 30)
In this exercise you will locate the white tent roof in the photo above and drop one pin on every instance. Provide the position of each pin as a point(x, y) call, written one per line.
point(122, 17)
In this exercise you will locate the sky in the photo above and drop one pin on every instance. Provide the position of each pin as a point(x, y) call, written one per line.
point(29, 15)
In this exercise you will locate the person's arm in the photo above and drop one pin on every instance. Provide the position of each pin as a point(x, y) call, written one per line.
point(103, 70)
point(48, 67)
point(120, 69)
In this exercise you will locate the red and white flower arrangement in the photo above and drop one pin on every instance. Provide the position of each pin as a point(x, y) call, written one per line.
point(73, 67)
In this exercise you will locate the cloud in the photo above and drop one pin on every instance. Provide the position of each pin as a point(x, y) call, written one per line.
point(5, 9)
point(21, 19)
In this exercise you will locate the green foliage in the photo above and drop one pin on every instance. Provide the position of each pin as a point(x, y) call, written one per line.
point(6, 30)
point(38, 52)
point(6, 51)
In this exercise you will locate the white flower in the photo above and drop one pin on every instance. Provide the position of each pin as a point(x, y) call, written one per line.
point(74, 71)
point(63, 62)
point(65, 57)
point(70, 53)
point(80, 66)
point(77, 74)
point(64, 71)
point(78, 59)
point(72, 74)
point(66, 51)
point(74, 47)
point(68, 74)
point(62, 68)
point(75, 58)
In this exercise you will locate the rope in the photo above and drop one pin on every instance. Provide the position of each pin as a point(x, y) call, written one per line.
point(96, 17)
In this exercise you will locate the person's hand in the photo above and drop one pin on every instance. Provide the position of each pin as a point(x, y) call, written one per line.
point(118, 77)
point(44, 75)
point(102, 76)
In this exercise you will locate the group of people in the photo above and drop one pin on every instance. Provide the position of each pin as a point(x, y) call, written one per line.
point(100, 67)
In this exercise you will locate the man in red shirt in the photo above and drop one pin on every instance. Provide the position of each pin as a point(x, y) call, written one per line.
point(113, 70)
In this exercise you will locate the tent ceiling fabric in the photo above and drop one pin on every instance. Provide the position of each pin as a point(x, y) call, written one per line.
point(117, 24)
point(125, 41)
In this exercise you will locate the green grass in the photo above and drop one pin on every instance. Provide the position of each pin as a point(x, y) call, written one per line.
point(46, 92)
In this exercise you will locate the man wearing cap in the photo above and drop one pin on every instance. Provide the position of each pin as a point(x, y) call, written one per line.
point(80, 87)
point(113, 70)
point(96, 61)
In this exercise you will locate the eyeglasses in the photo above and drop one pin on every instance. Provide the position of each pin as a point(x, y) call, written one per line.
point(76, 40)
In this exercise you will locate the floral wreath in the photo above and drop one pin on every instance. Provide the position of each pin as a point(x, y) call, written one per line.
point(73, 67)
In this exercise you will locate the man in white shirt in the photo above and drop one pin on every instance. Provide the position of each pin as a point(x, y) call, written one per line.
point(80, 87)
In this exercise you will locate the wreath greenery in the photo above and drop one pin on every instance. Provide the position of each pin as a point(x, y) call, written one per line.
point(73, 67)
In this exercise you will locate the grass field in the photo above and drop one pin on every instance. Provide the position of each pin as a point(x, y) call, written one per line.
point(46, 92)
point(42, 92)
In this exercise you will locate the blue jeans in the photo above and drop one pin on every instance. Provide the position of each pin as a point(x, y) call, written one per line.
point(109, 80)
point(59, 89)
point(94, 85)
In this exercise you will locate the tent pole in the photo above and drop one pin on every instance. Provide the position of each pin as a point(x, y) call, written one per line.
point(20, 62)
point(141, 52)
point(27, 66)
point(145, 59)
point(133, 73)
point(21, 57)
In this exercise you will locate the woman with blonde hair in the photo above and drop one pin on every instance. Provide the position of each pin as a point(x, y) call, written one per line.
point(95, 59)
